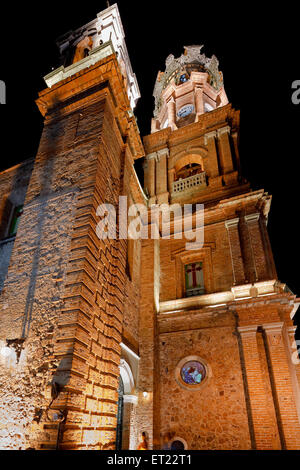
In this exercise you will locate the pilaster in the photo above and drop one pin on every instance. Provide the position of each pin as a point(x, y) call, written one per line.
point(235, 251)
point(257, 247)
point(262, 408)
point(199, 101)
point(171, 106)
point(151, 160)
point(212, 162)
point(147, 364)
point(161, 176)
point(282, 383)
point(225, 150)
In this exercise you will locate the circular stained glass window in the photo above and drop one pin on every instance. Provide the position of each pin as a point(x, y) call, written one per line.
point(193, 373)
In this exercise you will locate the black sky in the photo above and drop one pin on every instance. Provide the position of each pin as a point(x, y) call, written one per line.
point(259, 57)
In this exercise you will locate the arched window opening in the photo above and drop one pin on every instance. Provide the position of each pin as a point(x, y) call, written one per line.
point(189, 170)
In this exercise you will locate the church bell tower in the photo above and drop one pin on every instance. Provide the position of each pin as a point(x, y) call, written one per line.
point(216, 324)
point(103, 339)
point(69, 306)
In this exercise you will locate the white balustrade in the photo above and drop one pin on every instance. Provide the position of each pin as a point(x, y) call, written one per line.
point(192, 182)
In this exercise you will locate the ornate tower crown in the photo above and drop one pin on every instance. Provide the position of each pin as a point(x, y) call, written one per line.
point(190, 86)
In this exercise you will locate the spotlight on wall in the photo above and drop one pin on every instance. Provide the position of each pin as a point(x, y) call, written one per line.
point(17, 344)
point(5, 351)
point(145, 394)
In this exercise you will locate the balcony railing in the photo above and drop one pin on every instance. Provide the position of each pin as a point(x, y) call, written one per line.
point(187, 184)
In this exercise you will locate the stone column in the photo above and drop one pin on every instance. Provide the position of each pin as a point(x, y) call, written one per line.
point(262, 410)
point(129, 434)
point(235, 251)
point(172, 113)
point(282, 384)
point(257, 248)
point(225, 150)
point(199, 101)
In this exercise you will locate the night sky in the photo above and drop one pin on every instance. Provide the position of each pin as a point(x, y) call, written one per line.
point(259, 56)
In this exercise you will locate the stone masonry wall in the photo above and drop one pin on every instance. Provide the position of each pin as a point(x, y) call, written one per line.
point(215, 416)
point(13, 186)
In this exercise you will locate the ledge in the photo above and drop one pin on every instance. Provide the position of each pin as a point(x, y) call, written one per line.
point(237, 293)
point(94, 56)
point(7, 240)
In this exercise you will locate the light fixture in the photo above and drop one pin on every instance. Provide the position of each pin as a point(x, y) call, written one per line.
point(145, 394)
point(5, 351)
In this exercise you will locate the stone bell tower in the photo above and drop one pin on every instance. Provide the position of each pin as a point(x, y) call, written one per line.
point(193, 86)
point(216, 324)
point(69, 308)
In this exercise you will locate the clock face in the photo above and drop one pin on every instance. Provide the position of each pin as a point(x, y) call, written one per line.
point(185, 110)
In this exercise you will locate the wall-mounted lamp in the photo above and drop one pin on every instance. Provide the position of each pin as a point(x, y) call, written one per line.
point(145, 394)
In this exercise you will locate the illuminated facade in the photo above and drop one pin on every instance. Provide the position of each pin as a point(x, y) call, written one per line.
point(101, 340)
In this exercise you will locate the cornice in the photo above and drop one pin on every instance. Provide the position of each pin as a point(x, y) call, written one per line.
point(208, 122)
point(89, 85)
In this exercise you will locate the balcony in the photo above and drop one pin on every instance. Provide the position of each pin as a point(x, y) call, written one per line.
point(189, 184)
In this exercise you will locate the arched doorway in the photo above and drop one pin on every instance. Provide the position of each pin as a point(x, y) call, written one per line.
point(120, 415)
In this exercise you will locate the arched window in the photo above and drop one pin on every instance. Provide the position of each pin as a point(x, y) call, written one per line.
point(189, 170)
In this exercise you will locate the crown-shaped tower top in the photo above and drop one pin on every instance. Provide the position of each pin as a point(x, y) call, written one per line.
point(190, 86)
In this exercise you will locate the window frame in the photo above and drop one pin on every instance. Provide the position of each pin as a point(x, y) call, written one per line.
point(15, 220)
point(184, 257)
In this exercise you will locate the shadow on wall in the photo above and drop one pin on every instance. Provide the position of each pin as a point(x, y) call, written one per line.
point(15, 198)
point(47, 162)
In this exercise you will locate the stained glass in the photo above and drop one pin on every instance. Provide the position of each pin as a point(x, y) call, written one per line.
point(194, 281)
point(193, 373)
